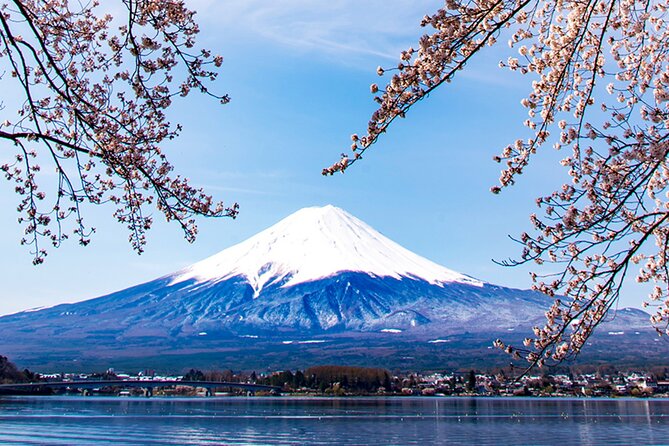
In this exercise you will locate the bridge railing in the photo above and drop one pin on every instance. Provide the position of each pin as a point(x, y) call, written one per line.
point(148, 385)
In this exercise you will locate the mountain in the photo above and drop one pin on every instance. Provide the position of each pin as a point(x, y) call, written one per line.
point(319, 286)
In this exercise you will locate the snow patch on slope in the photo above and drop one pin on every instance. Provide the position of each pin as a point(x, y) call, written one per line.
point(314, 243)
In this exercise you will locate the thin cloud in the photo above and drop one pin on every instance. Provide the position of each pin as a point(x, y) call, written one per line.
point(240, 190)
point(378, 28)
point(346, 31)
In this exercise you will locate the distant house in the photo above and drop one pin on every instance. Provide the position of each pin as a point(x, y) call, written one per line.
point(663, 386)
point(620, 388)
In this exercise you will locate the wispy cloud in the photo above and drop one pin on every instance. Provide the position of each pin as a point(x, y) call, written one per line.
point(377, 28)
point(240, 190)
point(253, 175)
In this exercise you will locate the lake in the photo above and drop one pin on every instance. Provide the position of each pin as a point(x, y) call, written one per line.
point(70, 420)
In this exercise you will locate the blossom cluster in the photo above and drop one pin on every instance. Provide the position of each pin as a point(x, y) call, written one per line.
point(95, 96)
point(599, 74)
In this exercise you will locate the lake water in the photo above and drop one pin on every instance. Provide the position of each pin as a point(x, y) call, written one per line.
point(328, 421)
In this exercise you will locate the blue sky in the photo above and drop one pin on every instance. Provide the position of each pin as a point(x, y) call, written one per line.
point(298, 72)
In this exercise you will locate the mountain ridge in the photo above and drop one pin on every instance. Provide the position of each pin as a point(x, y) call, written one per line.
point(337, 239)
point(320, 285)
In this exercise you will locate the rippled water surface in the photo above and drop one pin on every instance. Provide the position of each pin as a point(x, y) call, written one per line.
point(326, 421)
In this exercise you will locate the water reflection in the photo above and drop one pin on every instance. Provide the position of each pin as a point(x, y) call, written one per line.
point(326, 421)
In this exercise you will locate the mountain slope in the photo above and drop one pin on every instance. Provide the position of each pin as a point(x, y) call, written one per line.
point(320, 282)
point(314, 243)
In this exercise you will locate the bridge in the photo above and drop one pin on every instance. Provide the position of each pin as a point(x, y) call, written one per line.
point(147, 385)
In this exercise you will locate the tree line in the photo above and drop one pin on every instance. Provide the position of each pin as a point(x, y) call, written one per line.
point(333, 377)
point(338, 378)
point(10, 374)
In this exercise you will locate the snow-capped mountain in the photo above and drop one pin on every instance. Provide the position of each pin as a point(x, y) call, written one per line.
point(316, 243)
point(320, 281)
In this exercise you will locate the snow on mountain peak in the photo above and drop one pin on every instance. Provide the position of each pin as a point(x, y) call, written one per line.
point(315, 243)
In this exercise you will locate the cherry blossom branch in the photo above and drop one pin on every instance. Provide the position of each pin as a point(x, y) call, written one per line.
point(95, 103)
point(600, 90)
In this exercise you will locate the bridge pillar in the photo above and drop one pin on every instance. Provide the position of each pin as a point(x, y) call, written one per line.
point(148, 392)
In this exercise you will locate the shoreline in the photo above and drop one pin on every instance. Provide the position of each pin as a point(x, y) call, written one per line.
point(106, 397)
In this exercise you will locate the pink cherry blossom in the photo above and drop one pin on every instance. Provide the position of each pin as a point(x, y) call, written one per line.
point(94, 106)
point(599, 91)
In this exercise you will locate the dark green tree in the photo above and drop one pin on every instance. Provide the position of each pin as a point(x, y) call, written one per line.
point(471, 381)
point(194, 375)
point(299, 380)
point(9, 373)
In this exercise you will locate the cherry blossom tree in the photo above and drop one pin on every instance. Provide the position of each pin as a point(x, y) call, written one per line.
point(93, 91)
point(599, 75)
